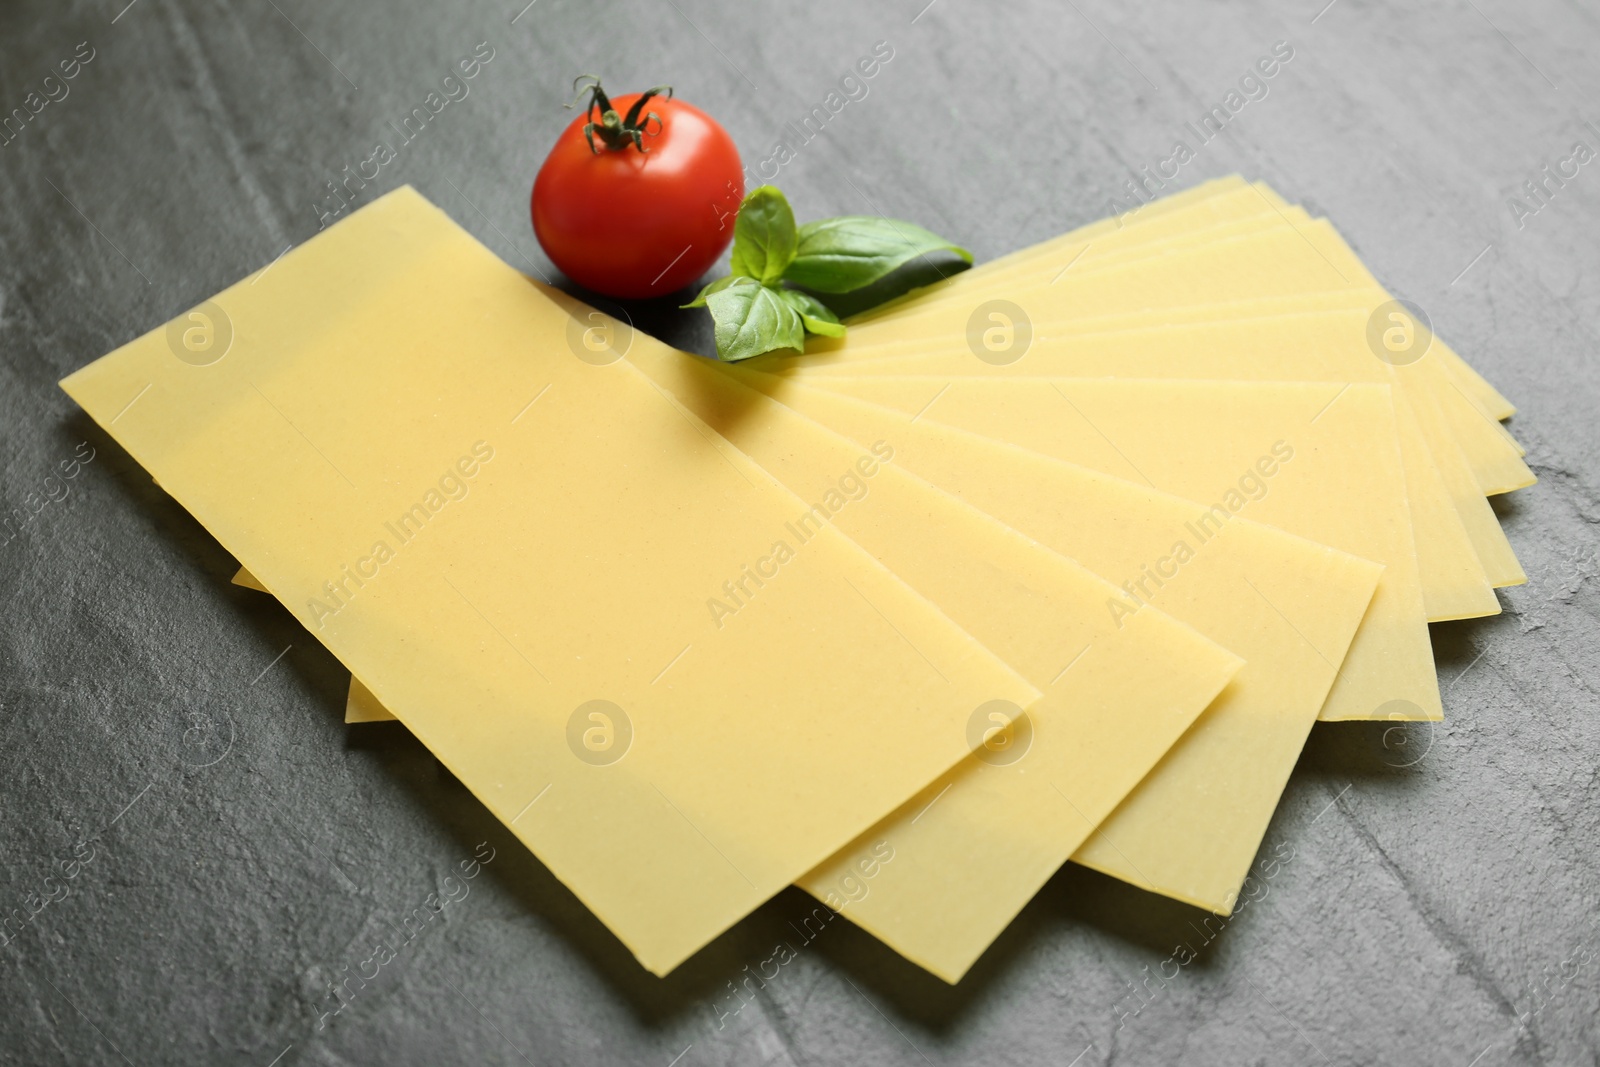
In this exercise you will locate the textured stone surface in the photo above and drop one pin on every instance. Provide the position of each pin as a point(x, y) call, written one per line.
point(246, 849)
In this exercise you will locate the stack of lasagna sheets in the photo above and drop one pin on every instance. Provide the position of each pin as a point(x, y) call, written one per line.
point(1059, 559)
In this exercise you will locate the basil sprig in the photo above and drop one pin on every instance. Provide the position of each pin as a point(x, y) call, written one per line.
point(754, 312)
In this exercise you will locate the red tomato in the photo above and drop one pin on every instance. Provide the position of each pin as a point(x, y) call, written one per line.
point(631, 223)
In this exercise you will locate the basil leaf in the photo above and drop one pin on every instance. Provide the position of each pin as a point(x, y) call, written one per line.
point(838, 255)
point(715, 287)
point(813, 313)
point(763, 235)
point(751, 319)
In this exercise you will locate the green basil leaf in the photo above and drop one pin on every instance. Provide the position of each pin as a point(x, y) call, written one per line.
point(715, 287)
point(813, 313)
point(763, 235)
point(838, 255)
point(752, 318)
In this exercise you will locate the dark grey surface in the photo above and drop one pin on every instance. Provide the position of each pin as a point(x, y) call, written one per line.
point(247, 848)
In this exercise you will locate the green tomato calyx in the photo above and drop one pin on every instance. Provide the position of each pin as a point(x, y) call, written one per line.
point(616, 131)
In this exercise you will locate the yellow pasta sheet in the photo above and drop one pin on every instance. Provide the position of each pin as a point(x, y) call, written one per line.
point(360, 704)
point(494, 535)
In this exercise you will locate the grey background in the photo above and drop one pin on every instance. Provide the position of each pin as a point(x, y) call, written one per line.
point(1440, 903)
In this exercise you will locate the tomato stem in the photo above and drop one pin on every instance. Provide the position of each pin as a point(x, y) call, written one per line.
point(616, 131)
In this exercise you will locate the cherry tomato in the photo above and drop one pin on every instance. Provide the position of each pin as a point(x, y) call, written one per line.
point(650, 206)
